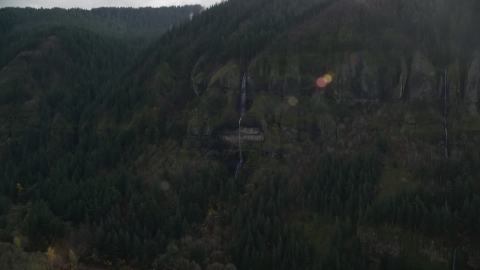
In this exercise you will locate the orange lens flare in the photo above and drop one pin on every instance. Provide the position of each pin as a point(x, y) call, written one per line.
point(321, 82)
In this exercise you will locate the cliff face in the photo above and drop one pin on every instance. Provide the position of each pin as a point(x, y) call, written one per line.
point(274, 75)
point(454, 86)
point(399, 91)
point(471, 87)
point(245, 134)
point(369, 69)
point(386, 96)
point(282, 91)
point(363, 149)
point(358, 80)
point(422, 79)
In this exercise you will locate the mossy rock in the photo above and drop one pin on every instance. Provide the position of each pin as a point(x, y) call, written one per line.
point(328, 127)
point(212, 111)
point(269, 147)
point(290, 119)
point(291, 149)
point(317, 103)
point(195, 125)
point(454, 81)
point(199, 78)
point(265, 107)
point(422, 79)
point(228, 77)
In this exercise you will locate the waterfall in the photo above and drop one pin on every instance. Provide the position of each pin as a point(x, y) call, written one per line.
point(243, 100)
point(445, 111)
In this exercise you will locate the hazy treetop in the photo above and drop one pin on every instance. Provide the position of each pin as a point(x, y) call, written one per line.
point(88, 4)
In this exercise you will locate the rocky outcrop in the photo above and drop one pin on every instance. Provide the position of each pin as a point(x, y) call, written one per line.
point(435, 252)
point(197, 83)
point(273, 77)
point(290, 134)
point(228, 77)
point(248, 135)
point(471, 88)
point(453, 82)
point(422, 79)
point(230, 80)
point(366, 234)
point(399, 91)
point(410, 119)
point(358, 81)
point(328, 128)
point(199, 125)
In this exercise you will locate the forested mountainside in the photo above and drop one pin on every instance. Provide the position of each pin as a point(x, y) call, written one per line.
point(23, 28)
point(356, 123)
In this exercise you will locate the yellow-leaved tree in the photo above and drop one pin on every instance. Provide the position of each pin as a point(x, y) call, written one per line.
point(19, 187)
point(17, 242)
point(73, 260)
point(50, 254)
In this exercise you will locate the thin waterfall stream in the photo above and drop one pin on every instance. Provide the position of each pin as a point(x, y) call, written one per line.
point(445, 112)
point(243, 100)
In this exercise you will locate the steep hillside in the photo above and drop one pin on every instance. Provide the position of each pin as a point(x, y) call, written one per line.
point(24, 28)
point(63, 58)
point(55, 64)
point(358, 152)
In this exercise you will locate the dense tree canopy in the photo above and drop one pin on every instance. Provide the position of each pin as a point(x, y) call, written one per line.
point(98, 162)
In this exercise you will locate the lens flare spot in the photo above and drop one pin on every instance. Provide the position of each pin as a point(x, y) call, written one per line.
point(328, 78)
point(292, 101)
point(321, 82)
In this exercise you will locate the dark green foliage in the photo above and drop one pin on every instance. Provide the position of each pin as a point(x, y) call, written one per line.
point(20, 28)
point(382, 145)
point(343, 189)
point(41, 222)
point(265, 240)
point(197, 253)
point(69, 176)
point(78, 161)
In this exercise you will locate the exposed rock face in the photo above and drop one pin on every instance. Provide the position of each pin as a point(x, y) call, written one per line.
point(440, 85)
point(358, 81)
point(471, 88)
point(275, 78)
point(369, 236)
point(292, 80)
point(366, 234)
point(410, 119)
point(248, 135)
point(422, 79)
point(228, 77)
point(290, 134)
point(197, 82)
point(399, 91)
point(230, 80)
point(328, 128)
point(453, 82)
point(199, 125)
point(434, 252)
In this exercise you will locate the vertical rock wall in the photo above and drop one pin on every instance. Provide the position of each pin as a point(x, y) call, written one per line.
point(471, 87)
